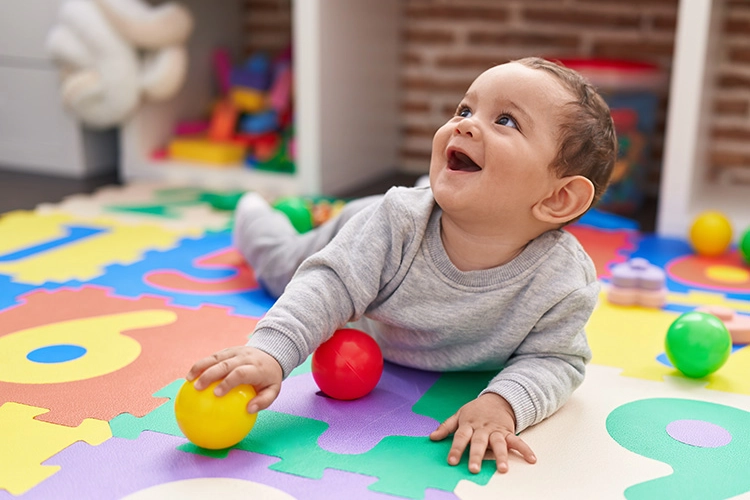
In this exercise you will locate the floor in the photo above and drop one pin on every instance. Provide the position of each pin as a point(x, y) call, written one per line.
point(22, 191)
point(106, 299)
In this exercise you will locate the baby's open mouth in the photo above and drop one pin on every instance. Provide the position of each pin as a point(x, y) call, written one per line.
point(461, 162)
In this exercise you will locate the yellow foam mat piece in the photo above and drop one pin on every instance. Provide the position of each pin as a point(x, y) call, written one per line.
point(25, 443)
point(631, 338)
point(79, 260)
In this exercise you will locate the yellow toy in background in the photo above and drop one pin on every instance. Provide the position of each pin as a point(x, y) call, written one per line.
point(214, 422)
point(711, 234)
point(206, 151)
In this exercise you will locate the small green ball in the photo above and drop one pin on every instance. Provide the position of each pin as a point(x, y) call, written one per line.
point(698, 344)
point(745, 246)
point(298, 212)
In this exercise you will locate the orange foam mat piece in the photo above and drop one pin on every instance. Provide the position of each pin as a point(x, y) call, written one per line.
point(133, 347)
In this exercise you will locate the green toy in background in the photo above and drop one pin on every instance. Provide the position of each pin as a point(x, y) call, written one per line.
point(745, 246)
point(298, 212)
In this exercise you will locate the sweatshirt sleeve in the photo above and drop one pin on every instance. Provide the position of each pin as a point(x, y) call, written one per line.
point(550, 363)
point(337, 284)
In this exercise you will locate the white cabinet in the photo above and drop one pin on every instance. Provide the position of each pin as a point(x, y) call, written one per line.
point(685, 191)
point(345, 56)
point(36, 134)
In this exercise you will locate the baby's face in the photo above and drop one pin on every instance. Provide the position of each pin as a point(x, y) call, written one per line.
point(491, 160)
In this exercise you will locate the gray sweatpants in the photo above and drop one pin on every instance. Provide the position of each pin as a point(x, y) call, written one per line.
point(274, 249)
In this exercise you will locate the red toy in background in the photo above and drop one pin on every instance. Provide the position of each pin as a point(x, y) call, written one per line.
point(348, 365)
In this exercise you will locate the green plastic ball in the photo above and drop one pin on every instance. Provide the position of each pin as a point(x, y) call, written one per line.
point(298, 212)
point(745, 246)
point(698, 344)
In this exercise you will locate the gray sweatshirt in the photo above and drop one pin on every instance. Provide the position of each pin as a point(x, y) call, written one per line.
point(387, 273)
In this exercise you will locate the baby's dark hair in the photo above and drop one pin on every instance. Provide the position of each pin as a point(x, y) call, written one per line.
point(588, 145)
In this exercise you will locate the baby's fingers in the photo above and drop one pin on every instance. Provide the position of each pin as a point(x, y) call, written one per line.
point(445, 429)
point(461, 439)
point(263, 399)
point(224, 371)
point(518, 444)
point(500, 449)
point(201, 365)
point(478, 448)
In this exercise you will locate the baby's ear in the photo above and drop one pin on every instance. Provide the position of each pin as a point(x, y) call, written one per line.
point(571, 197)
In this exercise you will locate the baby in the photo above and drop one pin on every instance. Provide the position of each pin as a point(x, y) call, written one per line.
point(471, 273)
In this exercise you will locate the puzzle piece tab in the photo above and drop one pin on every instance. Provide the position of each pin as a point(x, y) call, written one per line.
point(160, 419)
point(162, 341)
point(198, 271)
point(118, 458)
point(357, 426)
point(405, 466)
point(26, 442)
point(43, 247)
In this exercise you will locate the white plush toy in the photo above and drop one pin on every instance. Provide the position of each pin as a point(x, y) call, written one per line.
point(113, 53)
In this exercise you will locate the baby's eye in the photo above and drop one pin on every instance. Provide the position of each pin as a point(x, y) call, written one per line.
point(508, 121)
point(463, 112)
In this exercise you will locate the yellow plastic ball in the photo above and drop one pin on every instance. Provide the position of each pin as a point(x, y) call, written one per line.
point(711, 234)
point(214, 422)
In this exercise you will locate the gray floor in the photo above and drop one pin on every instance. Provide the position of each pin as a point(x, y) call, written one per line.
point(20, 191)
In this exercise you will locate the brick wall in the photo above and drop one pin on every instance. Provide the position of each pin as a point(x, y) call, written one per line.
point(267, 25)
point(446, 43)
point(729, 148)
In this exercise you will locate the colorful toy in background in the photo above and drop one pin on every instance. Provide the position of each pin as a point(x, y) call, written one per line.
point(307, 213)
point(213, 422)
point(624, 194)
point(631, 89)
point(250, 123)
point(745, 246)
point(698, 344)
point(637, 282)
point(348, 365)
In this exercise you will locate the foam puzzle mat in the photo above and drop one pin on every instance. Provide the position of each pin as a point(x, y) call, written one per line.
point(107, 299)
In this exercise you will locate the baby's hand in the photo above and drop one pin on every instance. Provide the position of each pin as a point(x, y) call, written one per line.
point(488, 421)
point(240, 365)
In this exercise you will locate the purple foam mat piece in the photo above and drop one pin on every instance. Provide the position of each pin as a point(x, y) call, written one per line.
point(120, 467)
point(357, 426)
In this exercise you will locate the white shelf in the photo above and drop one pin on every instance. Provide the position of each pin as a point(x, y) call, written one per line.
point(685, 191)
point(346, 99)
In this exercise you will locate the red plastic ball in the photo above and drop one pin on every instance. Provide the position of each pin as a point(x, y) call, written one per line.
point(348, 365)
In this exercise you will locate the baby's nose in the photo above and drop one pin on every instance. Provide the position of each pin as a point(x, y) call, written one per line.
point(467, 127)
